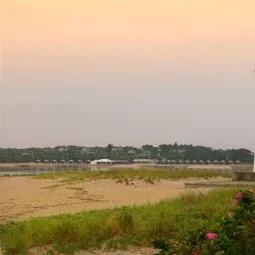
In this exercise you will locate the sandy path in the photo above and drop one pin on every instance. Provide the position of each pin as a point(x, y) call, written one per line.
point(131, 250)
point(23, 197)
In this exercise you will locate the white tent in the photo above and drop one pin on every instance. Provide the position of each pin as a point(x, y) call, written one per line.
point(101, 161)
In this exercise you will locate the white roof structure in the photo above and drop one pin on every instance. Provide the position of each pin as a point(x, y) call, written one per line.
point(102, 161)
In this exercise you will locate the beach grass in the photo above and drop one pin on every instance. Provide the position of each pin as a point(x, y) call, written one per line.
point(158, 174)
point(117, 228)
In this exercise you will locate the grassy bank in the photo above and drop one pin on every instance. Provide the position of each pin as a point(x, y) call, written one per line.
point(118, 228)
point(135, 174)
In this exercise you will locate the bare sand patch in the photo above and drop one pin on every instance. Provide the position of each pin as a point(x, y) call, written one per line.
point(24, 197)
point(131, 250)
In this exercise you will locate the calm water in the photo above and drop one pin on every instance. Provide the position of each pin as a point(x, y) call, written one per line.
point(21, 173)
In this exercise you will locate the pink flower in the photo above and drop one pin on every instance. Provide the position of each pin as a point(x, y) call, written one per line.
point(251, 190)
point(237, 202)
point(240, 195)
point(211, 236)
point(230, 214)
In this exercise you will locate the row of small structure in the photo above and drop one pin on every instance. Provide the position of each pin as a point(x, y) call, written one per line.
point(201, 162)
point(61, 161)
point(144, 161)
point(94, 162)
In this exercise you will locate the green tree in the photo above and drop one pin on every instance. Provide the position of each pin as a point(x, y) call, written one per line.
point(109, 149)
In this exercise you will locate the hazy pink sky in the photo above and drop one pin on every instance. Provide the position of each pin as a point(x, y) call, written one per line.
point(127, 72)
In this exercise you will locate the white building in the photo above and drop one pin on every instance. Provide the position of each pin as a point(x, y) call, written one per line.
point(102, 161)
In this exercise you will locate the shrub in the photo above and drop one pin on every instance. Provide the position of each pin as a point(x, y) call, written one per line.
point(230, 234)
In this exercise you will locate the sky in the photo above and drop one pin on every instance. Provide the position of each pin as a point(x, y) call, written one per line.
point(127, 72)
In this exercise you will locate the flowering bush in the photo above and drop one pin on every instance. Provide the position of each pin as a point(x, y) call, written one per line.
point(211, 236)
point(231, 234)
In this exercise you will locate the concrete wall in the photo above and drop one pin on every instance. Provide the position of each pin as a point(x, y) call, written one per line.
point(243, 176)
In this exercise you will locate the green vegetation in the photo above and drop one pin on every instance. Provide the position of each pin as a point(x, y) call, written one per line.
point(161, 152)
point(232, 233)
point(134, 174)
point(119, 228)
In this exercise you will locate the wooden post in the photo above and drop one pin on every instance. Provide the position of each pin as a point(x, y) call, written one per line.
point(254, 163)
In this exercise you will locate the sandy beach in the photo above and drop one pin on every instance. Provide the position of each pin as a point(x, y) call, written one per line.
point(24, 197)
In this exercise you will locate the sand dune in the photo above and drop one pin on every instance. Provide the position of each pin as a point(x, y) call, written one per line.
point(24, 197)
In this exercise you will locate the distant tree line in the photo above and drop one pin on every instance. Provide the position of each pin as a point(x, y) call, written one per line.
point(161, 152)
